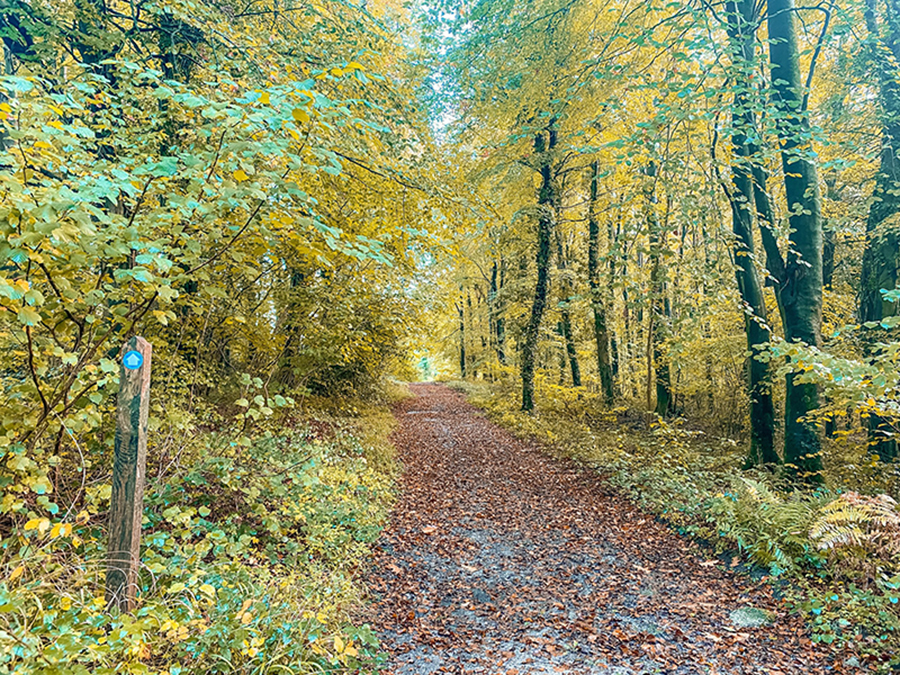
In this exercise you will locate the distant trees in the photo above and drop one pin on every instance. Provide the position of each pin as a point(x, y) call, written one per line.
point(644, 279)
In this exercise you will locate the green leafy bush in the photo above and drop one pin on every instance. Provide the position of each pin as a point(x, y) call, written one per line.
point(248, 565)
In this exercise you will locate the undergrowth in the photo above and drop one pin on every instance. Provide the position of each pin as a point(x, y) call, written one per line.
point(250, 548)
point(835, 551)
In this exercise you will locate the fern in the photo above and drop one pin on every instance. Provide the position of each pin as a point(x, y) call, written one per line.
point(861, 532)
point(772, 529)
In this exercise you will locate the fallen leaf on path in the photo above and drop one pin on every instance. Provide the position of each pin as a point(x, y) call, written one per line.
point(562, 560)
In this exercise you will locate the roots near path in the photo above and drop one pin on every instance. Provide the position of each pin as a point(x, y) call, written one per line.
point(502, 560)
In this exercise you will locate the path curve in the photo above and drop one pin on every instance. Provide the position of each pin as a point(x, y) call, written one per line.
point(502, 560)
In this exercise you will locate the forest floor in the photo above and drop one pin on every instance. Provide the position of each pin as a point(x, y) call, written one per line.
point(500, 559)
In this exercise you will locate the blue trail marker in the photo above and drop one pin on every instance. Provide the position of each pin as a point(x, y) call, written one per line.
point(133, 360)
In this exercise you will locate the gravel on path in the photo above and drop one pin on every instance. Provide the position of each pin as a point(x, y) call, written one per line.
point(502, 560)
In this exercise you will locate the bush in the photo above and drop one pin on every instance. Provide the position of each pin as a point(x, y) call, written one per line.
point(248, 565)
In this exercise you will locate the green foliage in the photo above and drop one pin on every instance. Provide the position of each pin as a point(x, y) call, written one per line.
point(248, 564)
point(772, 528)
point(235, 186)
point(186, 174)
point(854, 385)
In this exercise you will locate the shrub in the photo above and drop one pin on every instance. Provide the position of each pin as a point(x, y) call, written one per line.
point(248, 565)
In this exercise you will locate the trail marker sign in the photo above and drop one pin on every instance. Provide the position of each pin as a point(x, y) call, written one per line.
point(126, 508)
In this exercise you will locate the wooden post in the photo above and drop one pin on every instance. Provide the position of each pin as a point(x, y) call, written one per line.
point(129, 475)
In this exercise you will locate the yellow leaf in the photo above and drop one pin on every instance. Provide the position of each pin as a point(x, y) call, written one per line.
point(300, 115)
point(240, 175)
point(353, 65)
point(39, 524)
point(337, 72)
point(82, 517)
point(350, 650)
point(246, 618)
point(264, 98)
point(65, 603)
point(43, 144)
point(208, 590)
point(16, 573)
point(338, 644)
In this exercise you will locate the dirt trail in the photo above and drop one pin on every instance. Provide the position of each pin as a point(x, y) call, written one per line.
point(502, 560)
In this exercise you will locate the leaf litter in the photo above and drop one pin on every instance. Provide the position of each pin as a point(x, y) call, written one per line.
point(502, 560)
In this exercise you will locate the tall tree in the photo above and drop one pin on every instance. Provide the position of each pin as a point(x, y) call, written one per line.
point(742, 33)
point(658, 332)
point(565, 316)
point(881, 257)
point(598, 306)
point(800, 273)
point(500, 318)
point(548, 207)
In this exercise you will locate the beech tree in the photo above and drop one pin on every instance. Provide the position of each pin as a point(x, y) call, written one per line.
point(643, 255)
point(881, 258)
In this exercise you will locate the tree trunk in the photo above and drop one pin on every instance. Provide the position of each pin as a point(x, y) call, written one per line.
point(659, 319)
point(561, 331)
point(462, 339)
point(801, 282)
point(492, 312)
point(829, 246)
point(881, 257)
point(544, 145)
point(472, 364)
point(631, 332)
point(741, 29)
point(615, 356)
point(500, 323)
point(601, 332)
point(566, 316)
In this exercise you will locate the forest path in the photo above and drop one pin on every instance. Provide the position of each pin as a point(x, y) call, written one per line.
point(502, 560)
